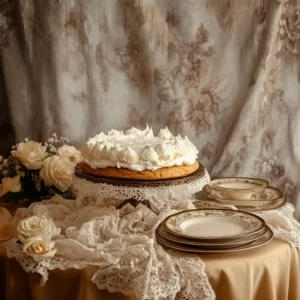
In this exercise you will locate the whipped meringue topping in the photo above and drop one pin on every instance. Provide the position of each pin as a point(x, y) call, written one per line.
point(139, 150)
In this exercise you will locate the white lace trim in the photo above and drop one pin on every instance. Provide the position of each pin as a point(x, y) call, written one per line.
point(283, 224)
point(121, 243)
point(181, 191)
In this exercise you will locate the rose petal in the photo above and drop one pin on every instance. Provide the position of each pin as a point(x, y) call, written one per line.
point(7, 231)
point(5, 216)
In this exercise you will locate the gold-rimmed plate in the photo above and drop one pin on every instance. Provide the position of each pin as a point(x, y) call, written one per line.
point(264, 239)
point(164, 233)
point(267, 199)
point(240, 188)
point(213, 224)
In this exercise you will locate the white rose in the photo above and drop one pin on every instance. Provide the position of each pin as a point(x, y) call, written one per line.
point(10, 185)
point(39, 248)
point(71, 152)
point(30, 154)
point(58, 171)
point(36, 226)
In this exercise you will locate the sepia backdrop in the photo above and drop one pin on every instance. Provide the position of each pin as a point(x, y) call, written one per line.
point(225, 73)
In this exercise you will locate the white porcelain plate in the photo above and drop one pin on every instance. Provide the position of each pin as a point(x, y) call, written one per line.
point(213, 223)
point(219, 244)
point(264, 239)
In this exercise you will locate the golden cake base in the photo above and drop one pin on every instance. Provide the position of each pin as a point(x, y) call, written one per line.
point(122, 173)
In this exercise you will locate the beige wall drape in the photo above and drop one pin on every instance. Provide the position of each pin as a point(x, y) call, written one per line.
point(226, 73)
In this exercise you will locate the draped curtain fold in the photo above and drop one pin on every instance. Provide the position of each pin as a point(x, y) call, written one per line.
point(225, 73)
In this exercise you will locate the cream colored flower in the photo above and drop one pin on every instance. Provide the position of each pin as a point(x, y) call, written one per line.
point(71, 152)
point(10, 185)
point(30, 154)
point(39, 248)
point(36, 226)
point(58, 171)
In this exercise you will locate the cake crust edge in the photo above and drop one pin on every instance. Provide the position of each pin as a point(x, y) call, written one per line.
point(159, 174)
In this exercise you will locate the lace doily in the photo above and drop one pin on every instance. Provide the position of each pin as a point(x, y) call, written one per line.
point(121, 243)
point(178, 191)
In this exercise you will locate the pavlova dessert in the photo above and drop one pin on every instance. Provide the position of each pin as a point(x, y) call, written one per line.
point(138, 154)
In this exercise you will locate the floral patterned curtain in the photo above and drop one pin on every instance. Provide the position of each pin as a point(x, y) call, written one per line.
point(226, 73)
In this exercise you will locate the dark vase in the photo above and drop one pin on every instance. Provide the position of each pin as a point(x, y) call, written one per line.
point(34, 189)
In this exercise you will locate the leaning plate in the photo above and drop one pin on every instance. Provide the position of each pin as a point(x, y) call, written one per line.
point(214, 224)
point(266, 238)
point(240, 188)
point(164, 233)
point(266, 199)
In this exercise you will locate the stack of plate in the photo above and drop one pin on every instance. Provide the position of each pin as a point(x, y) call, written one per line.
point(248, 194)
point(213, 231)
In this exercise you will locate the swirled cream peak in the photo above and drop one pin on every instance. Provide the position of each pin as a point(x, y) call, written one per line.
point(149, 154)
point(97, 151)
point(165, 150)
point(114, 132)
point(179, 146)
point(165, 134)
point(148, 132)
point(190, 144)
point(128, 155)
point(139, 150)
point(101, 136)
point(115, 154)
point(133, 130)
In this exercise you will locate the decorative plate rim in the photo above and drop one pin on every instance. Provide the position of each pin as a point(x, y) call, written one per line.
point(163, 232)
point(249, 207)
point(266, 238)
point(281, 195)
point(261, 221)
point(211, 184)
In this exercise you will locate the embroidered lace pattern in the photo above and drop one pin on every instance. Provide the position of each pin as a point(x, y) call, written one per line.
point(121, 244)
point(283, 224)
point(84, 187)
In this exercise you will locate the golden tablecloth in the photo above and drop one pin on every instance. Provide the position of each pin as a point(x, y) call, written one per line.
point(266, 273)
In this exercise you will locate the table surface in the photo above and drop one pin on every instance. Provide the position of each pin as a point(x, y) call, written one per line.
point(269, 272)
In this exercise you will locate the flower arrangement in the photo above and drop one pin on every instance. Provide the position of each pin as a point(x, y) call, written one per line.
point(36, 171)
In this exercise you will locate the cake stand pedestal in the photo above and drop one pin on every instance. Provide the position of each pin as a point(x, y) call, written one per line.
point(140, 190)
